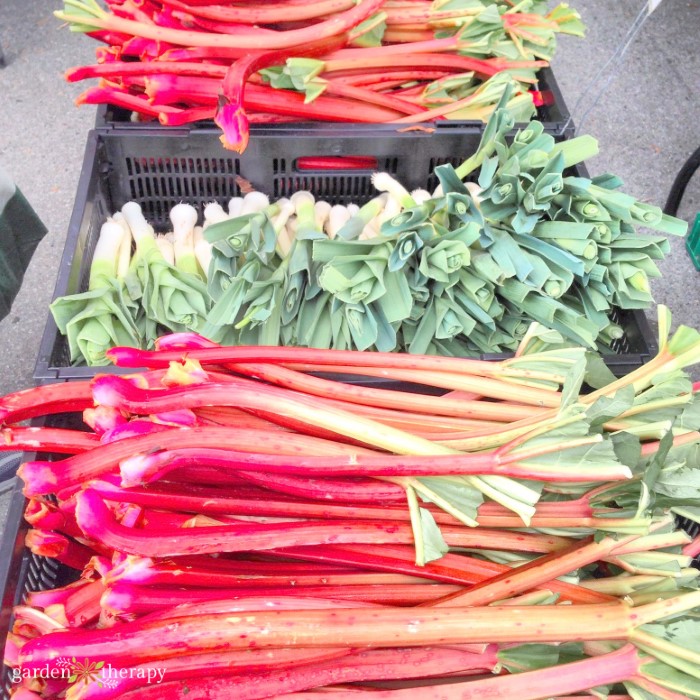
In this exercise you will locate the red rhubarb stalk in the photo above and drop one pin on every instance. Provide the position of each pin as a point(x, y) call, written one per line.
point(125, 598)
point(49, 477)
point(421, 403)
point(45, 400)
point(450, 568)
point(122, 68)
point(375, 664)
point(538, 572)
point(132, 357)
point(230, 115)
point(267, 13)
point(55, 546)
point(140, 571)
point(608, 669)
point(35, 439)
point(80, 607)
point(149, 640)
point(338, 24)
point(144, 468)
point(252, 661)
point(161, 539)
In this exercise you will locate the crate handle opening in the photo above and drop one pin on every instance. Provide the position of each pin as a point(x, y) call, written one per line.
point(336, 163)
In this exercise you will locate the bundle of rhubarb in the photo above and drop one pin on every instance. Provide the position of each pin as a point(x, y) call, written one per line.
point(221, 517)
point(403, 61)
point(458, 272)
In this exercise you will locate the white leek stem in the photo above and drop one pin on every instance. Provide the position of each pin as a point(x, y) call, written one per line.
point(202, 251)
point(285, 241)
point(337, 218)
point(124, 259)
point(254, 202)
point(285, 212)
point(367, 233)
point(213, 213)
point(353, 209)
point(321, 212)
point(106, 253)
point(292, 226)
point(235, 204)
point(141, 230)
point(303, 202)
point(475, 191)
point(184, 219)
point(391, 209)
point(420, 196)
point(371, 229)
point(166, 248)
point(385, 183)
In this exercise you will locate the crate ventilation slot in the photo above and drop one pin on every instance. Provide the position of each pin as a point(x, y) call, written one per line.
point(158, 184)
point(342, 189)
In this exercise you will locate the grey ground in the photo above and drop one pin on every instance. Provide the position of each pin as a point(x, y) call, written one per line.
point(647, 123)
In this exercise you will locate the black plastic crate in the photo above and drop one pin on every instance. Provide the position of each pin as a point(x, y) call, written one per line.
point(159, 169)
point(553, 113)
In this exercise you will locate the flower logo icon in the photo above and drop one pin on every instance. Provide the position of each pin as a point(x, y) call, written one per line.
point(85, 671)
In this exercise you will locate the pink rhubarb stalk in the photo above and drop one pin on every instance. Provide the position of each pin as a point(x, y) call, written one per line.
point(56, 546)
point(374, 664)
point(45, 400)
point(49, 477)
point(162, 539)
point(264, 13)
point(124, 598)
point(450, 568)
point(132, 357)
point(42, 439)
point(615, 667)
point(338, 24)
point(135, 570)
point(231, 115)
point(144, 468)
point(152, 639)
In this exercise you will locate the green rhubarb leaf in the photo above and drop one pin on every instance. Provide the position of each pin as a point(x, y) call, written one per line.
point(560, 451)
point(628, 448)
point(370, 32)
point(606, 408)
point(637, 693)
point(572, 384)
point(671, 678)
point(689, 418)
point(454, 495)
point(598, 374)
point(531, 657)
point(434, 545)
point(678, 482)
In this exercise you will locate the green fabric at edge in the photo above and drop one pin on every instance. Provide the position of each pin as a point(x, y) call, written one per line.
point(21, 230)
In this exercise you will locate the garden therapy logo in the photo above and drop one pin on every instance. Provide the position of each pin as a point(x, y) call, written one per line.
point(85, 672)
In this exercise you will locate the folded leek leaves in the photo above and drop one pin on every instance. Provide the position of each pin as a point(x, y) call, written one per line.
point(104, 315)
point(463, 271)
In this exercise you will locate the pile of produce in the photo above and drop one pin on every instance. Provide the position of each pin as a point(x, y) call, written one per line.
point(221, 517)
point(458, 272)
point(402, 61)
